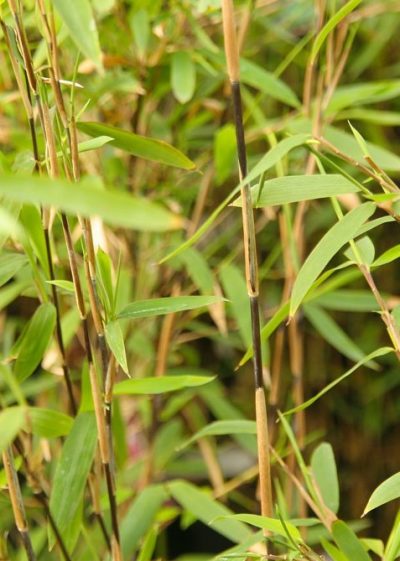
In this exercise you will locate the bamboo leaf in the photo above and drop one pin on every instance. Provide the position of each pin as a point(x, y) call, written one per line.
point(84, 198)
point(10, 264)
point(163, 306)
point(323, 466)
point(159, 384)
point(34, 341)
point(271, 524)
point(49, 423)
point(295, 188)
point(348, 542)
point(12, 420)
point(331, 24)
point(183, 76)
point(115, 340)
point(140, 146)
point(140, 517)
point(218, 428)
point(376, 354)
point(79, 20)
point(72, 472)
point(208, 511)
point(340, 234)
point(388, 256)
point(387, 491)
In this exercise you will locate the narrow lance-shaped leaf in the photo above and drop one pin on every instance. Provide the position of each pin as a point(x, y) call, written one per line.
point(115, 340)
point(183, 76)
point(295, 188)
point(340, 234)
point(387, 491)
point(323, 466)
point(79, 19)
point(140, 146)
point(72, 471)
point(376, 354)
point(34, 341)
point(208, 511)
point(348, 542)
point(159, 384)
point(163, 306)
point(86, 199)
point(240, 426)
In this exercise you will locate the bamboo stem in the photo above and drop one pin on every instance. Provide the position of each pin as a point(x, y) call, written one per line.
point(251, 264)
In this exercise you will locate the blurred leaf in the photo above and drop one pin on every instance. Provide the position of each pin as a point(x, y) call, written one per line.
point(235, 289)
point(254, 75)
point(79, 19)
point(140, 146)
point(183, 76)
point(207, 510)
point(224, 152)
point(387, 491)
point(271, 524)
point(198, 270)
point(72, 472)
point(295, 188)
point(331, 332)
point(340, 234)
point(10, 264)
point(140, 517)
point(163, 306)
point(330, 26)
point(240, 426)
point(49, 423)
point(84, 198)
point(357, 94)
point(159, 384)
point(140, 25)
point(348, 542)
point(323, 466)
point(115, 340)
point(34, 341)
point(11, 422)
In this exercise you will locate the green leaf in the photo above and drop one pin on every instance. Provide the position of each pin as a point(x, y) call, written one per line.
point(348, 542)
point(334, 334)
point(198, 269)
point(235, 289)
point(140, 146)
point(224, 152)
point(295, 188)
point(79, 19)
point(254, 75)
point(72, 471)
point(34, 341)
point(348, 301)
point(387, 257)
point(271, 524)
point(10, 264)
point(387, 491)
point(370, 92)
point(11, 422)
point(331, 24)
point(140, 517)
point(140, 25)
point(66, 285)
point(115, 340)
point(217, 428)
point(340, 234)
point(163, 306)
point(183, 76)
point(94, 143)
point(378, 353)
point(159, 384)
point(49, 423)
point(323, 466)
point(208, 511)
point(84, 198)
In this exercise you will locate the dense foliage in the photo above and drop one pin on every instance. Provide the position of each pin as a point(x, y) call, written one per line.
point(127, 424)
